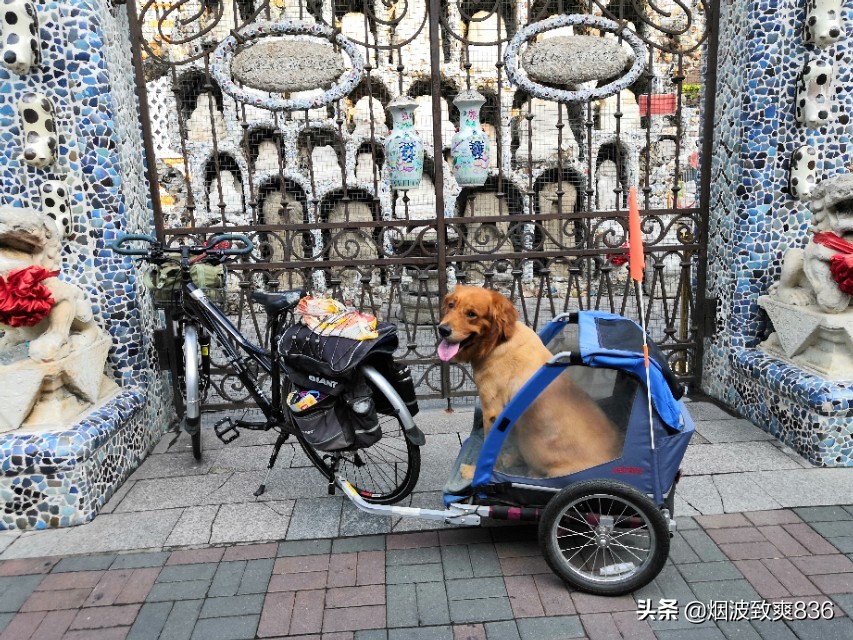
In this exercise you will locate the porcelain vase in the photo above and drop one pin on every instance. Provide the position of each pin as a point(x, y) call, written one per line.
point(404, 150)
point(470, 146)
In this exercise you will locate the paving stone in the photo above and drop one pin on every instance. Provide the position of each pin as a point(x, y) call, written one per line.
point(52, 600)
point(524, 597)
point(181, 621)
point(811, 565)
point(718, 431)
point(298, 581)
point(705, 571)
point(355, 522)
point(738, 630)
point(838, 629)
point(54, 625)
point(85, 563)
point(750, 550)
point(343, 570)
point(276, 614)
point(103, 617)
point(186, 590)
point(353, 618)
point(371, 567)
point(726, 520)
point(600, 626)
point(705, 548)
point(307, 612)
point(587, 603)
point(740, 534)
point(304, 564)
point(315, 518)
point(27, 566)
point(140, 560)
point(475, 588)
point(790, 577)
point(250, 552)
point(725, 590)
point(412, 540)
point(113, 532)
point(783, 540)
point(401, 604)
point(777, 516)
point(554, 595)
point(421, 633)
point(700, 494)
point(359, 543)
point(422, 555)
point(630, 627)
point(371, 634)
point(502, 630)
point(691, 634)
point(432, 604)
point(469, 632)
point(480, 610)
point(834, 583)
point(226, 580)
point(14, 591)
point(760, 577)
point(74, 580)
point(734, 457)
point(150, 621)
point(679, 551)
point(269, 521)
point(484, 560)
point(670, 584)
point(844, 544)
point(456, 562)
point(524, 566)
point(739, 491)
point(23, 625)
point(256, 577)
point(235, 628)
point(844, 602)
point(554, 628)
point(823, 514)
point(5, 619)
point(464, 535)
point(704, 410)
point(181, 573)
point(304, 548)
point(769, 630)
point(413, 573)
point(195, 556)
point(231, 606)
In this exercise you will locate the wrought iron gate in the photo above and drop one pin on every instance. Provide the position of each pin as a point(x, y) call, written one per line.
point(549, 226)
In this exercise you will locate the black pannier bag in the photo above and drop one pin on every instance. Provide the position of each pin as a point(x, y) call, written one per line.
point(329, 365)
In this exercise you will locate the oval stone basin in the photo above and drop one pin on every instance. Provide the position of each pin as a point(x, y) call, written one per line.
point(283, 65)
point(566, 60)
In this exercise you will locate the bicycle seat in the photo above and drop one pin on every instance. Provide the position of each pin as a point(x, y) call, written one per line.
point(278, 301)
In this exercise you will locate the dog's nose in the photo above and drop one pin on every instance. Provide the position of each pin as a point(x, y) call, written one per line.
point(444, 331)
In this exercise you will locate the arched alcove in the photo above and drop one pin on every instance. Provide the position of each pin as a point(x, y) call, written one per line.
point(611, 177)
point(326, 152)
point(195, 94)
point(546, 138)
point(559, 195)
point(421, 91)
point(223, 189)
point(265, 149)
point(370, 153)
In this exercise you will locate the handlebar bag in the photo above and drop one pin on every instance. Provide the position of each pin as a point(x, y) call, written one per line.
point(165, 279)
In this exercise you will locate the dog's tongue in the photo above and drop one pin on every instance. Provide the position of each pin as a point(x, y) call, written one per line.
point(447, 350)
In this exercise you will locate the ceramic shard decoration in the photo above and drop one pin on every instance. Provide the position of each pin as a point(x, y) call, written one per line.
point(814, 97)
point(282, 66)
point(806, 278)
point(824, 22)
point(404, 150)
point(39, 129)
point(55, 204)
point(21, 47)
point(803, 173)
point(566, 60)
point(470, 146)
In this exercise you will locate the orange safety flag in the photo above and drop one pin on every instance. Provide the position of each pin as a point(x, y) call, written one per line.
point(635, 237)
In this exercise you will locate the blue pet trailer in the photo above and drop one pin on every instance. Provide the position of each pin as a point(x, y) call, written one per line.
point(604, 530)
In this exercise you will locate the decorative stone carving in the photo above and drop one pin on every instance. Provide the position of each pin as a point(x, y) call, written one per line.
point(806, 279)
point(39, 126)
point(283, 66)
point(55, 204)
point(53, 369)
point(567, 60)
point(21, 47)
point(198, 125)
point(814, 97)
point(824, 22)
point(803, 174)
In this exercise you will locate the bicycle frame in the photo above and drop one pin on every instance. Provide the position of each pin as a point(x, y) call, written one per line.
point(198, 308)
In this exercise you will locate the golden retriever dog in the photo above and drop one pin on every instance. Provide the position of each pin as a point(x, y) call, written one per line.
point(563, 430)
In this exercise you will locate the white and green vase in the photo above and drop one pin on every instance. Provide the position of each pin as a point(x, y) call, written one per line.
point(404, 150)
point(470, 146)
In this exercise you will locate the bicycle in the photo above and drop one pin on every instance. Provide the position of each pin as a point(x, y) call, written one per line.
point(384, 473)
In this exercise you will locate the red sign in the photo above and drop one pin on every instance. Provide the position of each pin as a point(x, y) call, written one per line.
point(661, 105)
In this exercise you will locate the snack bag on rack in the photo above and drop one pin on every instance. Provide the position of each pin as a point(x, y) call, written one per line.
point(332, 318)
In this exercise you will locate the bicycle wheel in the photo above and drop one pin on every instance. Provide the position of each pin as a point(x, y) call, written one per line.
point(383, 473)
point(192, 389)
point(604, 537)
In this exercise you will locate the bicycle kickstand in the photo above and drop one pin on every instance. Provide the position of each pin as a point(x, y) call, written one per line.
point(282, 436)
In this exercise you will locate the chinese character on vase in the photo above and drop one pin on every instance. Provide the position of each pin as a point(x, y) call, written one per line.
point(404, 149)
point(470, 146)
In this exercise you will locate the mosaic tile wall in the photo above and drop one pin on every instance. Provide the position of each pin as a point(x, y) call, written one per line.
point(62, 478)
point(754, 220)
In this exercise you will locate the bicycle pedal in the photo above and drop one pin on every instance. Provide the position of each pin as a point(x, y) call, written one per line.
point(226, 430)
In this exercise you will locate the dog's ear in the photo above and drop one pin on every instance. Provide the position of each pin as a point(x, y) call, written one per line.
point(504, 315)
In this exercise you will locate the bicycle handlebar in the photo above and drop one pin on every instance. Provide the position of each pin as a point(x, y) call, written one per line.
point(118, 247)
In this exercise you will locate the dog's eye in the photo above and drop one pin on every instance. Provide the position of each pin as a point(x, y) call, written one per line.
point(471, 314)
point(451, 305)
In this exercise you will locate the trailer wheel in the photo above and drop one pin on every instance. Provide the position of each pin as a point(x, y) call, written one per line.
point(604, 537)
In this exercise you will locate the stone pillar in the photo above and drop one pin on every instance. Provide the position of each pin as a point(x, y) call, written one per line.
point(67, 473)
point(754, 220)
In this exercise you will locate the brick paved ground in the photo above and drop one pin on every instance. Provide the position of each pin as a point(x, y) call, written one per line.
point(462, 584)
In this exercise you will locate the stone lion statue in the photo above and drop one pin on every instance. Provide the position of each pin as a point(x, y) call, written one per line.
point(29, 238)
point(806, 278)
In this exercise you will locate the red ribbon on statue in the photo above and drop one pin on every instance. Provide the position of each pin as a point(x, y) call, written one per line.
point(24, 301)
point(841, 264)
